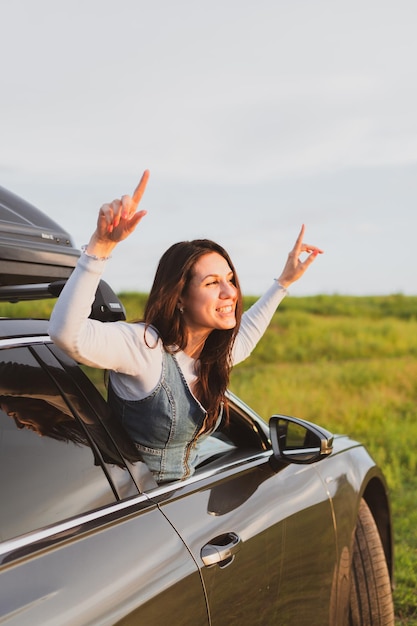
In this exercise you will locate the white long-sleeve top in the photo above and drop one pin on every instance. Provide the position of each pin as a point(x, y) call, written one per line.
point(135, 364)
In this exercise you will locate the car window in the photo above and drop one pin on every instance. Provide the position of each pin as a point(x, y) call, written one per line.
point(48, 469)
point(238, 433)
point(238, 437)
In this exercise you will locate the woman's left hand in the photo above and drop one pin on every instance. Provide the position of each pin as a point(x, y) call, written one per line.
point(295, 267)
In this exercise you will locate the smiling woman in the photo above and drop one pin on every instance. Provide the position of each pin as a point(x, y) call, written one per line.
point(168, 373)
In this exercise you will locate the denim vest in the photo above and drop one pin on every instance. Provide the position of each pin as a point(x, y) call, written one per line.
point(164, 425)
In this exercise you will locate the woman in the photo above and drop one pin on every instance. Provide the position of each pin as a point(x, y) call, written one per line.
point(169, 373)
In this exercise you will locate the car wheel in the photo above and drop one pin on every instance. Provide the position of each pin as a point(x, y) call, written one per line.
point(370, 594)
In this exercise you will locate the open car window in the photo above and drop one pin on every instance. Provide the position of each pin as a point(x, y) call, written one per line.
point(237, 438)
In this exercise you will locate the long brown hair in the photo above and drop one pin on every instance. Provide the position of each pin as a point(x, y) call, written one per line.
point(171, 281)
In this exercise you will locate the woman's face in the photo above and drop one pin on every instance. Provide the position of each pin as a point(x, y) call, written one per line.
point(210, 301)
point(20, 410)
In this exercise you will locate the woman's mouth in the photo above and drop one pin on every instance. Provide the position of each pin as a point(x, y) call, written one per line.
point(226, 309)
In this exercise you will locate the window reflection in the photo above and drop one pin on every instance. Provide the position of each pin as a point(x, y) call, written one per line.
point(48, 470)
point(32, 400)
point(43, 418)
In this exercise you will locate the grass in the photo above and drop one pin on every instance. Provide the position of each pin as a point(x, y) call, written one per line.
point(349, 364)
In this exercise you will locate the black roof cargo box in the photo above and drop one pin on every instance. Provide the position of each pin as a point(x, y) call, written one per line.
point(33, 248)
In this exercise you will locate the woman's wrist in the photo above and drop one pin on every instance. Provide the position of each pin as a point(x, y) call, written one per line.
point(282, 283)
point(97, 249)
point(87, 252)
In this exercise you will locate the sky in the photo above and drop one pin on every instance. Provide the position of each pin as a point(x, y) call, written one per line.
point(253, 117)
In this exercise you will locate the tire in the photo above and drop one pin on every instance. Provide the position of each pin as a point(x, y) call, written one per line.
point(371, 601)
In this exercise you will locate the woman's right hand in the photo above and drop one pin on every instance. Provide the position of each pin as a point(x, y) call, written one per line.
point(117, 220)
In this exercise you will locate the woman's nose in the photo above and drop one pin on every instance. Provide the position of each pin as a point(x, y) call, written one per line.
point(228, 290)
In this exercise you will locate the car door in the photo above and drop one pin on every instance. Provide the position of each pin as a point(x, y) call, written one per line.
point(307, 592)
point(264, 539)
point(78, 543)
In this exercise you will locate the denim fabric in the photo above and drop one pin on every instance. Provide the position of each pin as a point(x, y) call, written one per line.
point(165, 425)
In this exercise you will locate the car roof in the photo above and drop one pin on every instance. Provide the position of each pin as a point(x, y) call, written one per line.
point(22, 328)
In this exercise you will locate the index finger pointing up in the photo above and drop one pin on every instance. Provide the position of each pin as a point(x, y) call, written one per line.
point(140, 189)
point(299, 240)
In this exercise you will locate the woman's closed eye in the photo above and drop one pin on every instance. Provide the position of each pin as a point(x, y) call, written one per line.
point(216, 281)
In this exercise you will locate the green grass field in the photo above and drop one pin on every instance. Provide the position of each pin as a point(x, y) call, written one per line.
point(349, 364)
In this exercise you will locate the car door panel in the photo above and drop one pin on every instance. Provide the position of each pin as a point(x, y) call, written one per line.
point(128, 567)
point(239, 590)
point(310, 560)
point(251, 502)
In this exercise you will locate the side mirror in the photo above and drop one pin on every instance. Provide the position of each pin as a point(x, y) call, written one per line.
point(296, 441)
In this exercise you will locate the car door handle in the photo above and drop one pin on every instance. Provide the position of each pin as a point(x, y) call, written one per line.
point(221, 550)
